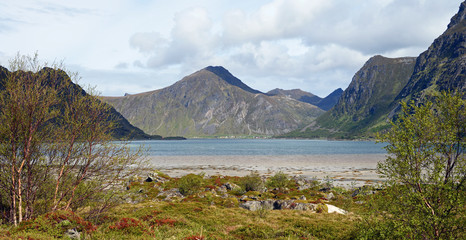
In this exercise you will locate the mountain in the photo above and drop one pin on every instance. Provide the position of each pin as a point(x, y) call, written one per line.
point(303, 96)
point(328, 102)
point(297, 94)
point(366, 101)
point(443, 65)
point(124, 129)
point(373, 97)
point(212, 102)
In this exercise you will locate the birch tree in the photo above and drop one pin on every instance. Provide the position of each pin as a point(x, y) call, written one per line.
point(55, 141)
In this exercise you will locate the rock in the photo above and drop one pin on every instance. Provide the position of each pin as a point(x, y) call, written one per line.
point(231, 186)
point(268, 204)
point(303, 187)
point(330, 196)
point(325, 189)
point(302, 197)
point(73, 234)
point(334, 209)
point(222, 189)
point(171, 194)
point(251, 205)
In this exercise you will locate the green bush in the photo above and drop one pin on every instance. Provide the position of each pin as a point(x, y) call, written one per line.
point(279, 180)
point(252, 182)
point(56, 224)
point(190, 184)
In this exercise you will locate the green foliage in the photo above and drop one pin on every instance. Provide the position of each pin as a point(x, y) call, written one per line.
point(56, 224)
point(190, 184)
point(279, 180)
point(425, 171)
point(252, 182)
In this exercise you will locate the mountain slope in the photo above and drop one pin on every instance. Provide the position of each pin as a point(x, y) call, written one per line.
point(211, 102)
point(443, 65)
point(297, 94)
point(366, 101)
point(124, 129)
point(331, 100)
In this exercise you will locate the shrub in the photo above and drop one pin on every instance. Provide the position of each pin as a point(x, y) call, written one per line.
point(321, 208)
point(57, 223)
point(279, 180)
point(252, 182)
point(130, 226)
point(190, 184)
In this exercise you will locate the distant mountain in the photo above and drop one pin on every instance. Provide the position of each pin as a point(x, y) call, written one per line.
point(124, 129)
point(297, 94)
point(331, 100)
point(212, 102)
point(376, 90)
point(303, 96)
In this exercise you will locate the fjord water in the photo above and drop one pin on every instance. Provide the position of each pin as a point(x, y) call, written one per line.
point(258, 147)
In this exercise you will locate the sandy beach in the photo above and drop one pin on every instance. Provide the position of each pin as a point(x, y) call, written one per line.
point(343, 169)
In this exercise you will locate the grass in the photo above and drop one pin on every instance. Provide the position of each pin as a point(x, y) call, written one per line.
point(202, 215)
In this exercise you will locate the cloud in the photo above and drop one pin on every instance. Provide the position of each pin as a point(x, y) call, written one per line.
point(277, 19)
point(147, 42)
point(191, 40)
point(315, 45)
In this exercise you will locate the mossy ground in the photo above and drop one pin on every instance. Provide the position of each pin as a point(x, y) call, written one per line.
point(203, 215)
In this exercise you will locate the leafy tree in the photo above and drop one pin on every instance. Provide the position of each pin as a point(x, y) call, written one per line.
point(426, 172)
point(56, 149)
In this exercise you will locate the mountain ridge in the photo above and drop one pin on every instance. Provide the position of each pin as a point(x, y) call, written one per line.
point(212, 102)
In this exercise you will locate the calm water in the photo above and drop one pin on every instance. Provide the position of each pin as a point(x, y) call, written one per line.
point(256, 147)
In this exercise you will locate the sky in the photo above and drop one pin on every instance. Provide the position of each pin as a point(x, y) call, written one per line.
point(133, 46)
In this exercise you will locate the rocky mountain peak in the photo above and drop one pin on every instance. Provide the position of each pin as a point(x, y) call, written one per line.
point(458, 19)
point(229, 78)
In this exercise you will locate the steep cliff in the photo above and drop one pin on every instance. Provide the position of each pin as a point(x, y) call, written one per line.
point(366, 102)
point(442, 67)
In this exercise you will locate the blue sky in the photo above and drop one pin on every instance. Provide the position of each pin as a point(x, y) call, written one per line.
point(132, 46)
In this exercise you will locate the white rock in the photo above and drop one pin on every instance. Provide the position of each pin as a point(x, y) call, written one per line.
point(333, 209)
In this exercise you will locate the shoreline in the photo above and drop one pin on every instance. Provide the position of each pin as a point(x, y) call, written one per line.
point(343, 169)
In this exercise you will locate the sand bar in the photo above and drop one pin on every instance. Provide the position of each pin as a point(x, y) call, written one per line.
point(344, 169)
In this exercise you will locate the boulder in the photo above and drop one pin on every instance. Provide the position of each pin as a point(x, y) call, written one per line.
point(251, 205)
point(330, 196)
point(171, 194)
point(231, 186)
